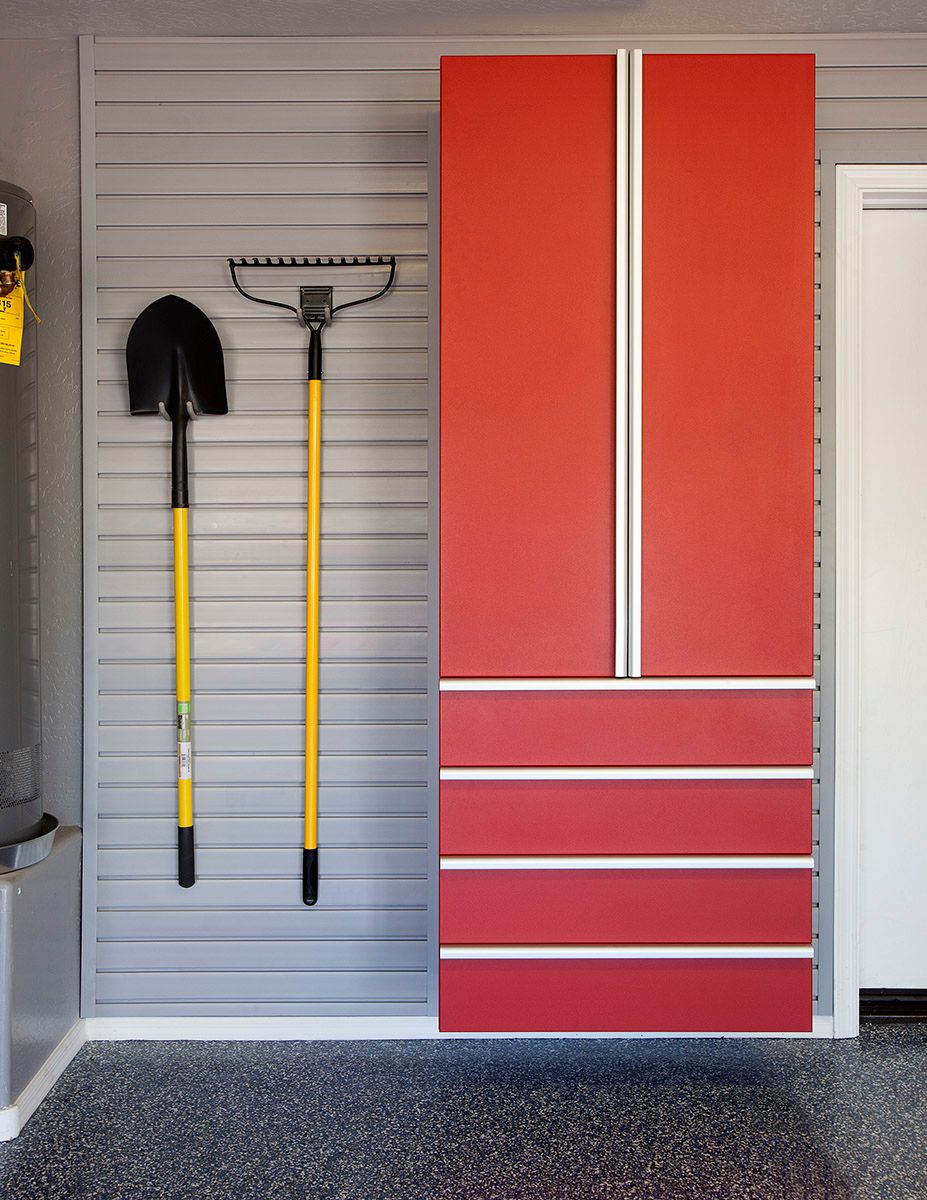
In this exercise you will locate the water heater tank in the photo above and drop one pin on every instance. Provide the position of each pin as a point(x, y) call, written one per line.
point(20, 699)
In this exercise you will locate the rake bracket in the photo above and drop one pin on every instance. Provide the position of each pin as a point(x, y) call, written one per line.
point(315, 305)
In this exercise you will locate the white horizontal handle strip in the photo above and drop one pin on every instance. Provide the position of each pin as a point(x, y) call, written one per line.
point(627, 862)
point(653, 684)
point(627, 773)
point(626, 952)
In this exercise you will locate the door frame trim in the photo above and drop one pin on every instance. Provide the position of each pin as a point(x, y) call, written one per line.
point(858, 187)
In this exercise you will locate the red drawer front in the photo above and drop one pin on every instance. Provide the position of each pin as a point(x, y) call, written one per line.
point(727, 367)
point(669, 996)
point(634, 728)
point(642, 907)
point(679, 816)
point(528, 365)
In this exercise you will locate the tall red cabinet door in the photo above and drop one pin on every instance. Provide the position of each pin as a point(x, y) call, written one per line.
point(727, 370)
point(528, 366)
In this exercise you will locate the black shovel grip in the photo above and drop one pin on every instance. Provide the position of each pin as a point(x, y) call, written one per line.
point(310, 876)
point(186, 866)
point(180, 496)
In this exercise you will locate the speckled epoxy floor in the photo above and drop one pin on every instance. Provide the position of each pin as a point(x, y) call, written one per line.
point(482, 1120)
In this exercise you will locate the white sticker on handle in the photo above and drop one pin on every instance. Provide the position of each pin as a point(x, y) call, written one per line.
point(184, 741)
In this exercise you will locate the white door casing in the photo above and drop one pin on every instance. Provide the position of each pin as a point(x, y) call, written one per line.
point(893, 600)
point(858, 188)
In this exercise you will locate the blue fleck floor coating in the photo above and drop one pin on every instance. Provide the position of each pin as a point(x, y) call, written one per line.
point(482, 1120)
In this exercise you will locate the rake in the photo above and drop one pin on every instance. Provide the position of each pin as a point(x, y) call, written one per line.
point(316, 310)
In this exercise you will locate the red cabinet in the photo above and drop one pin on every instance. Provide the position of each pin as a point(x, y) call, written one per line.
point(626, 853)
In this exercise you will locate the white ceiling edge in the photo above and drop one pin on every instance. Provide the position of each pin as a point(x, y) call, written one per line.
point(474, 18)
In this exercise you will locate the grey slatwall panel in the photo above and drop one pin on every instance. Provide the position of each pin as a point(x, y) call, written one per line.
point(243, 163)
point(270, 146)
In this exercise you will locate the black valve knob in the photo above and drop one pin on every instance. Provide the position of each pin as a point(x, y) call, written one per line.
point(10, 247)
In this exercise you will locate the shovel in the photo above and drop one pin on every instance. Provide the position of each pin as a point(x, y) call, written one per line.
point(175, 368)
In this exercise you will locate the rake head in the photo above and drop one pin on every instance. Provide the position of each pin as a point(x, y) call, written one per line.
point(315, 303)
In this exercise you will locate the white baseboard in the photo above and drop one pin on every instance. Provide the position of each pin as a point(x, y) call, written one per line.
point(305, 1029)
point(15, 1116)
point(257, 1029)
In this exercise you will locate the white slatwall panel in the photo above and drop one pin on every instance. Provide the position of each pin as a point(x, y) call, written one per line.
point(206, 148)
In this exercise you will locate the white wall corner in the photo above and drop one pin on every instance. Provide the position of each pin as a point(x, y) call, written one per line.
point(14, 1117)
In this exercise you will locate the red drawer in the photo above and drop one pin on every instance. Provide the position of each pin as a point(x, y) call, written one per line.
point(676, 816)
point(638, 906)
point(649, 996)
point(633, 728)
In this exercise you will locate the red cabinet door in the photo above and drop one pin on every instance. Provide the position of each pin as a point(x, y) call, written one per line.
point(527, 366)
point(727, 364)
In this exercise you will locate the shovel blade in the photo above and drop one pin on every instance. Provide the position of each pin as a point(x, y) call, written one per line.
point(174, 358)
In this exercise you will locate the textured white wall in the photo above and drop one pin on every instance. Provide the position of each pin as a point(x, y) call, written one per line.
point(39, 151)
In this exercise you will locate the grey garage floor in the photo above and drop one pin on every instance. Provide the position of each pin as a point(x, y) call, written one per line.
point(482, 1120)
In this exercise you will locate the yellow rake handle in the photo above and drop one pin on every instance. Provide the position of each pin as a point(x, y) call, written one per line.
point(311, 814)
point(186, 869)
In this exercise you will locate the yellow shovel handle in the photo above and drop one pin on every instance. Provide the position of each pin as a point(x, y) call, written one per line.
point(311, 812)
point(186, 871)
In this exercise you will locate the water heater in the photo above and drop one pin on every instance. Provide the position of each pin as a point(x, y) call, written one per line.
point(20, 698)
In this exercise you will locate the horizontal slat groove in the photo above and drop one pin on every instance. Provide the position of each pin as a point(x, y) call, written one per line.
point(264, 908)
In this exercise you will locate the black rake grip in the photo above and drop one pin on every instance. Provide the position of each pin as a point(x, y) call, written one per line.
point(310, 877)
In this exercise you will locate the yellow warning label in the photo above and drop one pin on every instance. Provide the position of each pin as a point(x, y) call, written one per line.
point(11, 326)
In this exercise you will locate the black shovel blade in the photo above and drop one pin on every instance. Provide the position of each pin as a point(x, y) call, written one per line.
point(174, 358)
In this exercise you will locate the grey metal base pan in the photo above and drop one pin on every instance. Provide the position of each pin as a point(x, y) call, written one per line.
point(33, 850)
